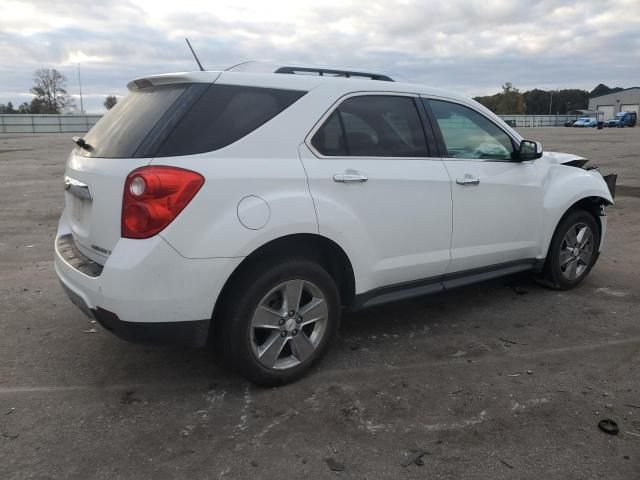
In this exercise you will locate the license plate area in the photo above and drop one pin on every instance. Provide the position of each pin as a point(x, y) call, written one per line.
point(77, 210)
point(80, 216)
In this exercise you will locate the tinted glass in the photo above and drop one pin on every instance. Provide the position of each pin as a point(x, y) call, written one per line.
point(373, 126)
point(329, 140)
point(468, 134)
point(122, 129)
point(223, 115)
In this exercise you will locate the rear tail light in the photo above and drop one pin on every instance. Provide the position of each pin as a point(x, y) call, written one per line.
point(154, 196)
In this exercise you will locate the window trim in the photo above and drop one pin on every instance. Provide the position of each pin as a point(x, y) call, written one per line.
point(425, 101)
point(416, 101)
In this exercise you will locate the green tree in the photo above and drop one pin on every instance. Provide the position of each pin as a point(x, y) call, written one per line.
point(23, 108)
point(8, 108)
point(536, 101)
point(570, 99)
point(539, 102)
point(602, 89)
point(110, 102)
point(489, 101)
point(511, 102)
point(38, 105)
point(50, 92)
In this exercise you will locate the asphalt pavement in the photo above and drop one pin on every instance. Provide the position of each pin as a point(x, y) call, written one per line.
point(506, 380)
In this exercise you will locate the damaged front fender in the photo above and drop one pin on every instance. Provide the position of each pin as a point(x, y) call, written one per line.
point(611, 181)
point(570, 160)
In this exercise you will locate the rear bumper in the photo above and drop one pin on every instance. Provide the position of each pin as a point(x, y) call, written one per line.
point(188, 333)
point(191, 333)
point(146, 292)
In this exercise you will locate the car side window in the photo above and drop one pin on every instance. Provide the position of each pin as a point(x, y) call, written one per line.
point(469, 134)
point(373, 126)
point(329, 140)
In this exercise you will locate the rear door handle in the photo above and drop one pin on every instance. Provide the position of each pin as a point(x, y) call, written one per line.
point(468, 180)
point(350, 176)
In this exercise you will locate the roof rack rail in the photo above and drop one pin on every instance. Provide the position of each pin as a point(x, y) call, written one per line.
point(320, 70)
point(334, 72)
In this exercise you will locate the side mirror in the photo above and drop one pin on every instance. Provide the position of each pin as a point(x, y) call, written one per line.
point(529, 150)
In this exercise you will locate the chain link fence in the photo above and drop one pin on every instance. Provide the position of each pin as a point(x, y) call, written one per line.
point(27, 123)
point(537, 120)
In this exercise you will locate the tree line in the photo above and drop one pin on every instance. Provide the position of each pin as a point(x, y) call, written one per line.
point(49, 95)
point(541, 102)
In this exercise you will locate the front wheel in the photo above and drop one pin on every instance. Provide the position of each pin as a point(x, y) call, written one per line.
point(573, 250)
point(280, 320)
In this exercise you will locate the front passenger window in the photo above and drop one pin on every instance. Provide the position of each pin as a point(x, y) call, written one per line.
point(468, 134)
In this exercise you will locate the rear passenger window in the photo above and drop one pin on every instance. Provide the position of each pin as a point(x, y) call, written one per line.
point(329, 140)
point(373, 126)
point(223, 115)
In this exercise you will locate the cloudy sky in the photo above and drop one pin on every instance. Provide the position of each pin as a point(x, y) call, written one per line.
point(471, 46)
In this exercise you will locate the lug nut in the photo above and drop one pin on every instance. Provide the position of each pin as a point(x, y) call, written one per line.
point(294, 332)
point(283, 333)
point(281, 322)
point(291, 313)
point(299, 319)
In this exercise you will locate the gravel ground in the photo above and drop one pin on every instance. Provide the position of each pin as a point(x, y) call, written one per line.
point(502, 380)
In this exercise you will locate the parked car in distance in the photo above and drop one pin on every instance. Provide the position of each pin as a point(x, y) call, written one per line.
point(247, 210)
point(569, 123)
point(585, 122)
point(623, 119)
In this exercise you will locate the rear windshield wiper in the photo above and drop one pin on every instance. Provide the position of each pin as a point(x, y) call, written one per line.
point(82, 143)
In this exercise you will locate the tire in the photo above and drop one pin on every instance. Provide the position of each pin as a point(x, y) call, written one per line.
point(573, 251)
point(291, 339)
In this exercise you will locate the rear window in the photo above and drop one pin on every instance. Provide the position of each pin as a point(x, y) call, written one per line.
point(123, 128)
point(184, 119)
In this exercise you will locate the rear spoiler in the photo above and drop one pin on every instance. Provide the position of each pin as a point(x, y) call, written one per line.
point(172, 78)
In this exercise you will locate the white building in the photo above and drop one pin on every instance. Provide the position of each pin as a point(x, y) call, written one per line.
point(627, 100)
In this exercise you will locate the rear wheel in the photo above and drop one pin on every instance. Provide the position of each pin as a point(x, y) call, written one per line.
point(573, 250)
point(280, 320)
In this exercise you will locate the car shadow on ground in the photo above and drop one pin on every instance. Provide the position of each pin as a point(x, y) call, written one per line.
point(369, 333)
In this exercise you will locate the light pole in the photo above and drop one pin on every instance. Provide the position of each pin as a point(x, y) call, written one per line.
point(80, 84)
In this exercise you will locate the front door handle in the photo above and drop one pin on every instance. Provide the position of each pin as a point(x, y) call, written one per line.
point(350, 176)
point(468, 180)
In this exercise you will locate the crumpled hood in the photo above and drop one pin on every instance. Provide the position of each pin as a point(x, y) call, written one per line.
point(557, 158)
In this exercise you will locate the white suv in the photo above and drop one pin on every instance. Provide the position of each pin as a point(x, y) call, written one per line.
point(248, 209)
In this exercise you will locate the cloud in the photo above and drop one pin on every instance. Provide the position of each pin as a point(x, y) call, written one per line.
point(471, 46)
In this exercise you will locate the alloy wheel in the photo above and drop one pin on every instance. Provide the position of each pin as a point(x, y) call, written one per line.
point(576, 251)
point(288, 324)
